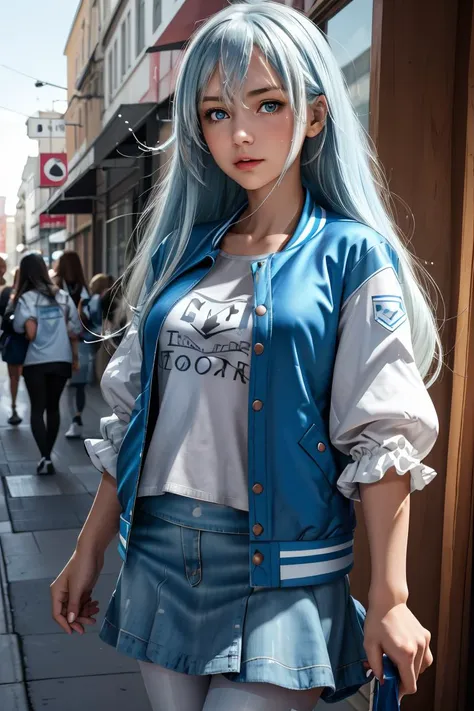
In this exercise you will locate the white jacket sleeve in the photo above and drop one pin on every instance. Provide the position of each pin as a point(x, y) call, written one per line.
point(120, 386)
point(381, 413)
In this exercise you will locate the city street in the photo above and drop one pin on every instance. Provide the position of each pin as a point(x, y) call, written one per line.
point(41, 667)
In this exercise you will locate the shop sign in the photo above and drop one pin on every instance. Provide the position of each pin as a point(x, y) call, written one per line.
point(53, 169)
point(52, 221)
point(45, 127)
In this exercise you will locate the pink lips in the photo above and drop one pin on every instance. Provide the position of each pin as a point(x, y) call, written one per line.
point(247, 164)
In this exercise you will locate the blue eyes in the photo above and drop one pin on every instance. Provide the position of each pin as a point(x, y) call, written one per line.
point(272, 107)
point(218, 115)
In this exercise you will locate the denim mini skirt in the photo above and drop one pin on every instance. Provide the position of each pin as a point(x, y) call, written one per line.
point(183, 601)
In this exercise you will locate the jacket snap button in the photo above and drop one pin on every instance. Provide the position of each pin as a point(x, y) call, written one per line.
point(257, 405)
point(321, 447)
point(261, 310)
point(259, 348)
point(257, 558)
point(257, 529)
point(257, 488)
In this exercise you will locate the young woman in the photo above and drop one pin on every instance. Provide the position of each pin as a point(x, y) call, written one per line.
point(272, 374)
point(48, 317)
point(70, 277)
point(9, 353)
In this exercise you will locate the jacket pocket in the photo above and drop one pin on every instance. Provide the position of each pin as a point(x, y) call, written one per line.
point(317, 446)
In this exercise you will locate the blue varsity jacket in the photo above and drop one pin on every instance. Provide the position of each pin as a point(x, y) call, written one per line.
point(300, 525)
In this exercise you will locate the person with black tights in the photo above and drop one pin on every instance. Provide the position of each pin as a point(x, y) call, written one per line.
point(48, 317)
point(70, 277)
point(9, 353)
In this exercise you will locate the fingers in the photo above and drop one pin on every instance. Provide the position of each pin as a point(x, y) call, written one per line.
point(85, 617)
point(406, 669)
point(58, 598)
point(63, 607)
point(416, 659)
point(75, 604)
point(427, 660)
point(375, 660)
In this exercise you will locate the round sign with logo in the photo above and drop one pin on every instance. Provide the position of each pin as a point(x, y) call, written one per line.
point(55, 170)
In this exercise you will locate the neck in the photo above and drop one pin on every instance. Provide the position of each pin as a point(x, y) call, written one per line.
point(273, 210)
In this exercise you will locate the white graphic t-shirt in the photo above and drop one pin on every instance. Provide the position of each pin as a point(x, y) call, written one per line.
point(199, 446)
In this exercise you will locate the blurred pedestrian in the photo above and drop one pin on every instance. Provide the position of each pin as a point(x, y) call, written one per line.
point(49, 319)
point(70, 277)
point(9, 351)
point(92, 310)
point(3, 271)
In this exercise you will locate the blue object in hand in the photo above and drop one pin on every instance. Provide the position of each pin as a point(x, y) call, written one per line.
point(386, 695)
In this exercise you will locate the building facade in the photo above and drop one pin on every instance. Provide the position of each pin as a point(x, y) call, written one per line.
point(83, 117)
point(34, 196)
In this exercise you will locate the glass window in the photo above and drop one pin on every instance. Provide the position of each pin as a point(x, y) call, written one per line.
point(349, 34)
point(139, 25)
point(110, 64)
point(129, 40)
point(123, 47)
point(116, 59)
point(119, 229)
point(156, 14)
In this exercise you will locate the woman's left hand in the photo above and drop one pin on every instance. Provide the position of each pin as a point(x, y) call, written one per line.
point(396, 632)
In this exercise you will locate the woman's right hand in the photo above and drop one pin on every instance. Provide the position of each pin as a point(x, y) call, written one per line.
point(71, 592)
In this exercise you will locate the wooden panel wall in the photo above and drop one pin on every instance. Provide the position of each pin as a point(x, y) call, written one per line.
point(414, 75)
point(456, 572)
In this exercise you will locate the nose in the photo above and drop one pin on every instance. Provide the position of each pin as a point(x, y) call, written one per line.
point(242, 137)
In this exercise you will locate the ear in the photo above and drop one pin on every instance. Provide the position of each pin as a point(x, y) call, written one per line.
point(317, 116)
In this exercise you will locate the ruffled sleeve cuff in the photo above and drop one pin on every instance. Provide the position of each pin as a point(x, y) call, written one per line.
point(104, 452)
point(369, 466)
point(102, 455)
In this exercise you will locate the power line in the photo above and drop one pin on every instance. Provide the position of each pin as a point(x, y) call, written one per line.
point(17, 71)
point(5, 108)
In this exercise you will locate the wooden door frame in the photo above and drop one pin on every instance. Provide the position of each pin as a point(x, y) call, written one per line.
point(457, 551)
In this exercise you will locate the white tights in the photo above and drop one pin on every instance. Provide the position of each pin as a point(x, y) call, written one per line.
point(170, 691)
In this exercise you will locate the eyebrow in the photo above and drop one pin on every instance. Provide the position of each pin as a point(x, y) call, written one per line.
point(253, 92)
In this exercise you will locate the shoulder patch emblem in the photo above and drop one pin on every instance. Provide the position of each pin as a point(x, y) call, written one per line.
point(389, 311)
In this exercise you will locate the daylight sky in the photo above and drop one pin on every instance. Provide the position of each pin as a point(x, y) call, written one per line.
point(32, 39)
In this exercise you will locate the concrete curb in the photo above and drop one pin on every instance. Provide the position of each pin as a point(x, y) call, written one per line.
point(13, 693)
point(6, 617)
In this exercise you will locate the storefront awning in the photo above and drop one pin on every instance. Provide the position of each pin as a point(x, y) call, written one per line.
point(185, 22)
point(78, 193)
point(117, 139)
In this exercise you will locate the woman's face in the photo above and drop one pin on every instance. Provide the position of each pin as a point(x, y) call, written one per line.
point(250, 140)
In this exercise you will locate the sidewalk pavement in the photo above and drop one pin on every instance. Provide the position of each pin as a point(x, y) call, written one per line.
point(41, 667)
point(40, 517)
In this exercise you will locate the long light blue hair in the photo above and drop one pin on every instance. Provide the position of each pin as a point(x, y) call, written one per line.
point(338, 167)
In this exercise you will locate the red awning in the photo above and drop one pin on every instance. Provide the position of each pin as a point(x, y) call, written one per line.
point(188, 19)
